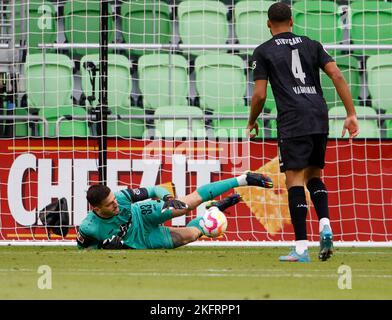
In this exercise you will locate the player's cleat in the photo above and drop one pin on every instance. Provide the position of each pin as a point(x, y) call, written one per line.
point(258, 179)
point(225, 203)
point(293, 256)
point(326, 245)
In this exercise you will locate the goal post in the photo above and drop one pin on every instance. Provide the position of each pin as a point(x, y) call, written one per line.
point(177, 93)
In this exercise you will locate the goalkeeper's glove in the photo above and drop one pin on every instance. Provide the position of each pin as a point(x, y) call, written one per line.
point(115, 242)
point(173, 203)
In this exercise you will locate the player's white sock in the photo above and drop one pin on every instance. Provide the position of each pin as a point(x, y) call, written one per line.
point(301, 246)
point(324, 222)
point(242, 180)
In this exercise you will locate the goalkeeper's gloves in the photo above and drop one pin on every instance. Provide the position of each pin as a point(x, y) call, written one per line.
point(173, 203)
point(115, 242)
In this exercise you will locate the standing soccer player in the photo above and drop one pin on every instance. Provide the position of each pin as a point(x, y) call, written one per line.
point(291, 63)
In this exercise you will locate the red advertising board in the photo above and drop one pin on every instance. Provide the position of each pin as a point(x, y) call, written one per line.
point(358, 176)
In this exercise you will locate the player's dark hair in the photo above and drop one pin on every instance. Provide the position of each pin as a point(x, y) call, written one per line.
point(97, 193)
point(279, 12)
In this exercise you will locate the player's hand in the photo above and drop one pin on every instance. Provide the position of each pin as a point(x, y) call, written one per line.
point(250, 127)
point(115, 242)
point(351, 124)
point(173, 203)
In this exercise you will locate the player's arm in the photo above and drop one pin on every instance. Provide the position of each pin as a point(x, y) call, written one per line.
point(85, 241)
point(141, 194)
point(258, 99)
point(351, 122)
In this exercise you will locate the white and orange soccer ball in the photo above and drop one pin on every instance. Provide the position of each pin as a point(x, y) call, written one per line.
point(213, 222)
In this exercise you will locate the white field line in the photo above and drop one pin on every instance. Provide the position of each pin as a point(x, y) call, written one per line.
point(207, 273)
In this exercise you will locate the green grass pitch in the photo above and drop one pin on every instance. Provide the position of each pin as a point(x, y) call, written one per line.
point(192, 273)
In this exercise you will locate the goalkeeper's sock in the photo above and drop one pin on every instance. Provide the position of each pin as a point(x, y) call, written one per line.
point(319, 196)
point(196, 224)
point(211, 190)
point(298, 211)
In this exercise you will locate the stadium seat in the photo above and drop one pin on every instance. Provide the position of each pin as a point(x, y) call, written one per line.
point(145, 22)
point(318, 20)
point(82, 24)
point(371, 23)
point(119, 80)
point(40, 24)
point(123, 127)
point(233, 128)
point(368, 127)
point(68, 128)
point(250, 22)
point(271, 129)
point(178, 128)
point(202, 22)
point(350, 70)
point(220, 81)
point(49, 80)
point(388, 128)
point(163, 80)
point(379, 70)
point(21, 127)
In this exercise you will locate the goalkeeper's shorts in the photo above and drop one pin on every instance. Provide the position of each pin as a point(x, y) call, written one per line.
point(156, 236)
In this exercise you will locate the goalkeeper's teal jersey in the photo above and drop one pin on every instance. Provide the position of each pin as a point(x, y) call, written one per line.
point(137, 220)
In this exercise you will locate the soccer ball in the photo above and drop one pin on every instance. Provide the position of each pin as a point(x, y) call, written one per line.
point(213, 222)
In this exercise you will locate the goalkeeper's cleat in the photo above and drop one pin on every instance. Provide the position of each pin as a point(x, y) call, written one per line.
point(326, 245)
point(225, 203)
point(258, 179)
point(293, 256)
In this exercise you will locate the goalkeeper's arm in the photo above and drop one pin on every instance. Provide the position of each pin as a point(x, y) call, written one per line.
point(140, 194)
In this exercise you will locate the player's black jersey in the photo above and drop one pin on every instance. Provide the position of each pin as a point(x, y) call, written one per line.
point(291, 63)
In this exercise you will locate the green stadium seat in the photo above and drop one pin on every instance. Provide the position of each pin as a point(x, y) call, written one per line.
point(49, 80)
point(371, 23)
point(350, 70)
point(379, 70)
point(202, 22)
point(368, 127)
point(82, 24)
point(388, 128)
point(220, 81)
point(145, 22)
point(68, 128)
point(123, 127)
point(40, 23)
point(163, 80)
point(271, 129)
point(178, 128)
point(21, 127)
point(318, 20)
point(119, 80)
point(250, 22)
point(233, 128)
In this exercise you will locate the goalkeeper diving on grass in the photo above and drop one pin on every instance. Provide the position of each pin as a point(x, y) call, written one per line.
point(132, 219)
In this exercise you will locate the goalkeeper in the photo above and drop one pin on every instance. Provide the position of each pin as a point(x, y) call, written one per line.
point(123, 220)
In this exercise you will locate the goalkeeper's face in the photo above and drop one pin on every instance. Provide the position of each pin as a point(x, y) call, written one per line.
point(108, 207)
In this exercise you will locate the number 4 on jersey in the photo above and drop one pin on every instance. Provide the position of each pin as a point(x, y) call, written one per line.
point(296, 66)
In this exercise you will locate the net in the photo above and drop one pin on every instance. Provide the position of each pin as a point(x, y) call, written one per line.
point(178, 91)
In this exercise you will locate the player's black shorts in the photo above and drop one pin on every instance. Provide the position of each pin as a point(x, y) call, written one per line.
point(302, 152)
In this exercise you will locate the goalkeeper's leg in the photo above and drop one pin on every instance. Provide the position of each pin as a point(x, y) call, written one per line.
point(211, 190)
point(184, 235)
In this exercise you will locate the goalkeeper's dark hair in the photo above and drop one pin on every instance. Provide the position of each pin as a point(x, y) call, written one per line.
point(97, 193)
point(279, 12)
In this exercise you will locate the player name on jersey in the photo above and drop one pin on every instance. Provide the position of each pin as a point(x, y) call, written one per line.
point(290, 41)
point(308, 90)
